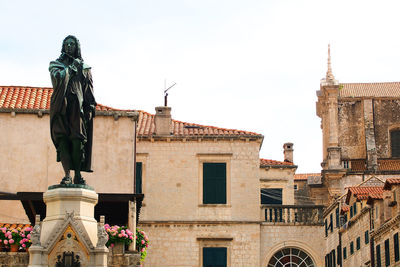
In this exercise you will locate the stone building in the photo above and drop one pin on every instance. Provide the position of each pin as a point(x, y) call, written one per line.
point(361, 132)
point(209, 196)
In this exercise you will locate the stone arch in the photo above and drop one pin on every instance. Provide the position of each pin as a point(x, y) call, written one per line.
point(293, 244)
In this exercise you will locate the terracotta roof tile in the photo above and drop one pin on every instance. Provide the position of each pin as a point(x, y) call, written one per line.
point(344, 209)
point(304, 176)
point(385, 89)
point(14, 225)
point(270, 162)
point(363, 192)
point(35, 98)
point(391, 181)
point(383, 165)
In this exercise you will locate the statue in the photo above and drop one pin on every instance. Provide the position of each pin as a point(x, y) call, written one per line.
point(72, 109)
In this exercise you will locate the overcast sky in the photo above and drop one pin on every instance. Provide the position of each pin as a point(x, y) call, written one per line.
point(248, 65)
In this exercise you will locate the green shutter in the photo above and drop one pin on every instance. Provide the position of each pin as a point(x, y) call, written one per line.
point(387, 253)
point(214, 183)
point(214, 257)
point(378, 256)
point(396, 247)
point(138, 178)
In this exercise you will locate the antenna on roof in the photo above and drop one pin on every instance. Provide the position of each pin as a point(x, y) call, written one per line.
point(166, 90)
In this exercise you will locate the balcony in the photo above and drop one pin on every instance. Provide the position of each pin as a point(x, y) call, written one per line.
point(292, 214)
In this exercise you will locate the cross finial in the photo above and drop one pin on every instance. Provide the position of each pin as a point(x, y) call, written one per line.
point(329, 74)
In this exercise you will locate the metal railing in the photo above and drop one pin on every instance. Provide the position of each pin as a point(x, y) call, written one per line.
point(302, 214)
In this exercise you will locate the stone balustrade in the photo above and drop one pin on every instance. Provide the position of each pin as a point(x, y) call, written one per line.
point(292, 214)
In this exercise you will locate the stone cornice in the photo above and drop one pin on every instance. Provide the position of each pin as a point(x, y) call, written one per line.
point(386, 226)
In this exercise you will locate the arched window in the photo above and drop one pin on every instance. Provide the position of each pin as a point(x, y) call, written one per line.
point(395, 143)
point(291, 257)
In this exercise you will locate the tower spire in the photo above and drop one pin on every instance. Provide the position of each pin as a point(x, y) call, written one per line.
point(329, 79)
point(329, 74)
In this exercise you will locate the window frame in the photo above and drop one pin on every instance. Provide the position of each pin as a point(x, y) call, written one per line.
point(214, 158)
point(387, 252)
point(215, 242)
point(396, 247)
point(395, 129)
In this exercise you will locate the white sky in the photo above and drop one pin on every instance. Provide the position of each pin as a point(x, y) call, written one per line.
point(248, 65)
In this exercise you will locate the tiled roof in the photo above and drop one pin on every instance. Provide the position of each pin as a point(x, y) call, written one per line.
point(14, 225)
point(38, 98)
point(146, 128)
point(24, 97)
point(271, 162)
point(383, 165)
point(362, 192)
point(304, 176)
point(391, 181)
point(385, 89)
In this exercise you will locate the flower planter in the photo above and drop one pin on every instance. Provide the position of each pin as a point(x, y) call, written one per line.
point(14, 247)
point(119, 248)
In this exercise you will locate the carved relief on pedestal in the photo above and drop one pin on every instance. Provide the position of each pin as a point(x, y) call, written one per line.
point(69, 251)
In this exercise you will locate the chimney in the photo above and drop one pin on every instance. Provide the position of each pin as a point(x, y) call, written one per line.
point(288, 152)
point(162, 120)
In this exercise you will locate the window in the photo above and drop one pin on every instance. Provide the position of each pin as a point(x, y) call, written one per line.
point(366, 237)
point(139, 178)
point(326, 227)
point(337, 218)
point(351, 212)
point(214, 183)
point(396, 247)
point(214, 256)
point(295, 187)
point(387, 253)
point(333, 253)
point(271, 196)
point(344, 253)
point(378, 256)
point(331, 222)
point(346, 164)
point(351, 248)
point(339, 257)
point(290, 257)
point(358, 243)
point(395, 143)
point(355, 208)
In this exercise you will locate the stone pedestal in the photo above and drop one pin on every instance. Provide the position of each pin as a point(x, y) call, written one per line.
point(69, 229)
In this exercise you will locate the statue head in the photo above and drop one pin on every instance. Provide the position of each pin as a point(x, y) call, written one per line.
point(71, 46)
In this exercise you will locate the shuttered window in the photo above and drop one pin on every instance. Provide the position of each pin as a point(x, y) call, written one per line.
point(214, 257)
point(214, 183)
point(358, 243)
point(378, 256)
point(337, 218)
point(139, 178)
point(344, 253)
point(395, 143)
point(387, 253)
point(366, 236)
point(396, 247)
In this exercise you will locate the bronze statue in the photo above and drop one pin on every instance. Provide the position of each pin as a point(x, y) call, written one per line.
point(72, 109)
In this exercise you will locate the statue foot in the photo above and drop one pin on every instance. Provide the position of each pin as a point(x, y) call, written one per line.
point(79, 180)
point(66, 180)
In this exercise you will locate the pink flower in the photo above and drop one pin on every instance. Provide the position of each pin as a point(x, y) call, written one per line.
point(29, 236)
point(143, 242)
point(5, 242)
point(11, 241)
point(120, 235)
point(23, 245)
point(147, 245)
point(9, 236)
point(112, 245)
point(22, 235)
point(142, 250)
point(1, 240)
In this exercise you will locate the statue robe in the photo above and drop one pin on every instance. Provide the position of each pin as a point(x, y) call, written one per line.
point(72, 108)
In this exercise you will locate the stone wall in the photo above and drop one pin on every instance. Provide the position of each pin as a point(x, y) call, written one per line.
point(14, 259)
point(386, 117)
point(351, 129)
point(276, 237)
point(172, 243)
point(172, 180)
point(28, 158)
point(21, 259)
